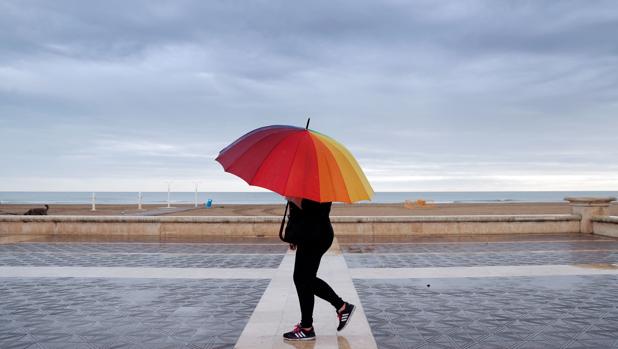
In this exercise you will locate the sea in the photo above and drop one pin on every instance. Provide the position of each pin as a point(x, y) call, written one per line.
point(49, 197)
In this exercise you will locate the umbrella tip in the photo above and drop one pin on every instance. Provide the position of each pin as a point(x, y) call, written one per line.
point(307, 127)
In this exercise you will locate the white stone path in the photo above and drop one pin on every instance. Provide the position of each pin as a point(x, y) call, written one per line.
point(278, 310)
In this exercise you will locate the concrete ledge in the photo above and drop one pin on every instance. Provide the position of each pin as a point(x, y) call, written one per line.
point(589, 207)
point(590, 200)
point(457, 225)
point(605, 225)
point(143, 219)
point(462, 218)
point(169, 226)
point(277, 219)
point(605, 219)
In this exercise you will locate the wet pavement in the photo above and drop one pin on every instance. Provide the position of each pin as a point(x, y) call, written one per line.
point(474, 259)
point(577, 311)
point(155, 255)
point(127, 311)
point(554, 250)
point(209, 293)
point(515, 312)
point(143, 255)
point(124, 313)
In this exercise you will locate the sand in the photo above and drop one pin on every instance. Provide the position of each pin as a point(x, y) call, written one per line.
point(402, 209)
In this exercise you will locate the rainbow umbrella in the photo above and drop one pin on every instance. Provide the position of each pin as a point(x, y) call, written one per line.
point(297, 162)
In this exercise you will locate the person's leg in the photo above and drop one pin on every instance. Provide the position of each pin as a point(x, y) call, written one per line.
point(308, 257)
point(324, 291)
point(305, 270)
point(320, 287)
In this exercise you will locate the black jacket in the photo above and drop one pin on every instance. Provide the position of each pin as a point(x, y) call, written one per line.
point(309, 223)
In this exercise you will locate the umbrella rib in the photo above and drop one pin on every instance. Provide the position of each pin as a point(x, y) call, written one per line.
point(285, 187)
point(330, 171)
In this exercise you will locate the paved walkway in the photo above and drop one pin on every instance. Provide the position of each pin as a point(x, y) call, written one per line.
point(554, 291)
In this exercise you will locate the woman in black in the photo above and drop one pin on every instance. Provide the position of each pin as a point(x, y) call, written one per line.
point(310, 223)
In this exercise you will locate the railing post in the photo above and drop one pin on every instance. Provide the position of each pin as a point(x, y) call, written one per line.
point(588, 207)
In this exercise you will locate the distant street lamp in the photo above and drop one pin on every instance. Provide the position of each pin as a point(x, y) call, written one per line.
point(139, 200)
point(195, 198)
point(169, 184)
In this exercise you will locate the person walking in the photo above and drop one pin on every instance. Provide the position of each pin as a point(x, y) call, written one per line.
point(310, 225)
point(301, 162)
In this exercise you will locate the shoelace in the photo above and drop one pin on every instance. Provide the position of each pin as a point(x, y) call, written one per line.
point(340, 314)
point(297, 328)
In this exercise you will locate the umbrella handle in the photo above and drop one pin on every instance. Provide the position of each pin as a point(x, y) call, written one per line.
point(283, 221)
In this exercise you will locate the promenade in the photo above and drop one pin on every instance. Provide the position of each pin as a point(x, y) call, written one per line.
point(524, 291)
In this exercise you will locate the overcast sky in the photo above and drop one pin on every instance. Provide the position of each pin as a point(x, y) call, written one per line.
point(428, 95)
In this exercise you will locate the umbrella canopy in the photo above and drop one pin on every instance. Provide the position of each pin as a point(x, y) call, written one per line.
point(296, 162)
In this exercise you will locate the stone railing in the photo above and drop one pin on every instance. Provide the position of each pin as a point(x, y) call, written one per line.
point(168, 226)
point(444, 225)
point(163, 226)
point(605, 225)
point(588, 216)
point(589, 207)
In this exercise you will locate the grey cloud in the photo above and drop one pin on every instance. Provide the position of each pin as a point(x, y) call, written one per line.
point(506, 86)
point(116, 28)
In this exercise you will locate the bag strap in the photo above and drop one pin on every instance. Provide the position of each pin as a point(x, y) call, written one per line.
point(283, 221)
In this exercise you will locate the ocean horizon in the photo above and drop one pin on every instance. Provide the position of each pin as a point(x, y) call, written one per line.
point(51, 197)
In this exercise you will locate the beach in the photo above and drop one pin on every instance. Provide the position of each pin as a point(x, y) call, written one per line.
point(400, 209)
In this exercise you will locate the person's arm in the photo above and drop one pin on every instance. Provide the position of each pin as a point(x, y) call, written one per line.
point(293, 218)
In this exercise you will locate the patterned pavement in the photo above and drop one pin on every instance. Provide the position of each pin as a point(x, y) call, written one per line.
point(475, 259)
point(481, 253)
point(196, 248)
point(141, 260)
point(516, 312)
point(125, 313)
point(480, 247)
point(458, 312)
point(143, 255)
point(71, 312)
point(491, 312)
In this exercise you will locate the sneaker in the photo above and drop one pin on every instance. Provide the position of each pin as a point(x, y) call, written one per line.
point(298, 334)
point(345, 315)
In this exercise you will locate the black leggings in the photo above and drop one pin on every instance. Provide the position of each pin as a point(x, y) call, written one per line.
point(308, 256)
